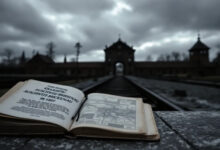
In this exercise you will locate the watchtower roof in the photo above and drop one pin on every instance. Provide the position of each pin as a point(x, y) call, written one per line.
point(199, 46)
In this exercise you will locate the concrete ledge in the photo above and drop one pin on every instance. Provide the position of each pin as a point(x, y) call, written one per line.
point(178, 130)
point(200, 129)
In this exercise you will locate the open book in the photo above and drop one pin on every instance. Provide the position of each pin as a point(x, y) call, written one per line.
point(35, 107)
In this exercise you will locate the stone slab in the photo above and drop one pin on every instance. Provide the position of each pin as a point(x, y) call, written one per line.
point(200, 129)
point(169, 140)
point(7, 143)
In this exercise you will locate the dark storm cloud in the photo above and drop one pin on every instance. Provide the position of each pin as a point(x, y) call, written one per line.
point(23, 18)
point(99, 35)
point(155, 20)
point(171, 16)
point(82, 7)
point(21, 26)
point(30, 24)
point(194, 14)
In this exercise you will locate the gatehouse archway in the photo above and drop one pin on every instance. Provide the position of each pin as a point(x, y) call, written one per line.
point(119, 69)
point(121, 56)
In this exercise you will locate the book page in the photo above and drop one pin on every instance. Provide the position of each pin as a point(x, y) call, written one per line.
point(43, 101)
point(112, 112)
point(151, 127)
point(11, 91)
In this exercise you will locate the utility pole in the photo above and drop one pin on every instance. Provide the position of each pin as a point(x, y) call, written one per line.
point(77, 46)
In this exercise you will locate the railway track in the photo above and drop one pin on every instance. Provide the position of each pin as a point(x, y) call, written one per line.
point(122, 86)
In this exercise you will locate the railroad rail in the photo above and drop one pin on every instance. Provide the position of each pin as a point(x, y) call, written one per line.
point(123, 86)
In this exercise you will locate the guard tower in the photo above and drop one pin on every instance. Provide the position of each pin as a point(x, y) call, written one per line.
point(199, 53)
point(119, 54)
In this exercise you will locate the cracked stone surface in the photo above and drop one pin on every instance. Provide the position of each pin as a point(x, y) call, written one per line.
point(178, 130)
point(169, 140)
point(200, 128)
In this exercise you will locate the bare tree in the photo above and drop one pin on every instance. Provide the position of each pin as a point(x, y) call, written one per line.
point(73, 59)
point(50, 49)
point(8, 53)
point(77, 46)
point(22, 58)
point(33, 52)
point(149, 58)
point(65, 60)
point(167, 57)
point(161, 57)
point(175, 56)
point(184, 57)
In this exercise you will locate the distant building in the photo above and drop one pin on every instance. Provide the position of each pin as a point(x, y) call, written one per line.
point(199, 53)
point(39, 64)
point(39, 59)
point(120, 54)
point(198, 64)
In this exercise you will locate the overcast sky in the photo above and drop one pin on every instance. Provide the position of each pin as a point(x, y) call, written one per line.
point(152, 27)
